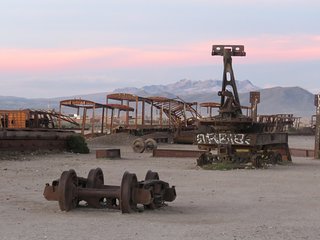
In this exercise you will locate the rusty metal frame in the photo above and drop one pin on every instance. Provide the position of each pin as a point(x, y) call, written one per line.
point(90, 105)
point(85, 104)
point(227, 51)
point(175, 111)
point(214, 105)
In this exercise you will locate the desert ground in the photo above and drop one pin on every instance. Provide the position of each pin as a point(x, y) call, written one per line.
point(281, 202)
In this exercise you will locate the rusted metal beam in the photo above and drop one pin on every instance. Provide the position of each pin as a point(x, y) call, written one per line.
point(254, 100)
point(102, 120)
point(177, 153)
point(33, 139)
point(137, 109)
point(143, 112)
point(84, 117)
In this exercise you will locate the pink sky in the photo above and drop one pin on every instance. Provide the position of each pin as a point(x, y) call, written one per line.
point(260, 49)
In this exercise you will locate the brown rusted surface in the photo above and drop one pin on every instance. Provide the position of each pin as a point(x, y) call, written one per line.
point(51, 193)
point(75, 103)
point(210, 104)
point(298, 152)
point(108, 153)
point(34, 139)
point(67, 190)
point(254, 100)
point(159, 99)
point(120, 107)
point(177, 153)
point(123, 96)
point(232, 50)
point(142, 196)
point(70, 190)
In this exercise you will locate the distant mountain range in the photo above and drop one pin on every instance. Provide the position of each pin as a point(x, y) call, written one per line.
point(294, 100)
point(187, 87)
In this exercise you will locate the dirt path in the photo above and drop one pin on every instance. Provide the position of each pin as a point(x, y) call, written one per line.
point(282, 202)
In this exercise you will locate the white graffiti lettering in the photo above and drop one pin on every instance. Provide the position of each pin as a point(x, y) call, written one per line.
point(223, 138)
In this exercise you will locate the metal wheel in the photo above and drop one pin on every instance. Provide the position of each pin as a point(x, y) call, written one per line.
point(138, 145)
point(128, 184)
point(272, 158)
point(95, 178)
point(150, 144)
point(257, 161)
point(151, 176)
point(68, 183)
point(278, 158)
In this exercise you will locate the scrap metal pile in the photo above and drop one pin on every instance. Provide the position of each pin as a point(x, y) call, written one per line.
point(72, 191)
point(236, 137)
point(29, 130)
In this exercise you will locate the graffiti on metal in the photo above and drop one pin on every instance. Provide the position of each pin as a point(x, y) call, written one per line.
point(223, 138)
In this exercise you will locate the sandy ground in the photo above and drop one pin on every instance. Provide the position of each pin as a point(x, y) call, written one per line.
point(282, 202)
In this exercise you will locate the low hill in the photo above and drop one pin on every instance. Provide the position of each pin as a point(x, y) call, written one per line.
point(294, 100)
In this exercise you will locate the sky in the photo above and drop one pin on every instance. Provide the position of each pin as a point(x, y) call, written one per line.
point(54, 48)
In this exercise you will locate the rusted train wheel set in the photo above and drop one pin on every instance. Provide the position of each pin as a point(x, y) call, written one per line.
point(72, 191)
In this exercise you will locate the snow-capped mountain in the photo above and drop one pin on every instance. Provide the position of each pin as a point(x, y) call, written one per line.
point(187, 87)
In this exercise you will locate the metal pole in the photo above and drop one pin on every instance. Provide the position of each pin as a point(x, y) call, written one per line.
point(142, 114)
point(83, 120)
point(151, 113)
point(111, 121)
point(127, 114)
point(137, 108)
point(161, 111)
point(169, 113)
point(102, 120)
point(60, 107)
point(93, 116)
